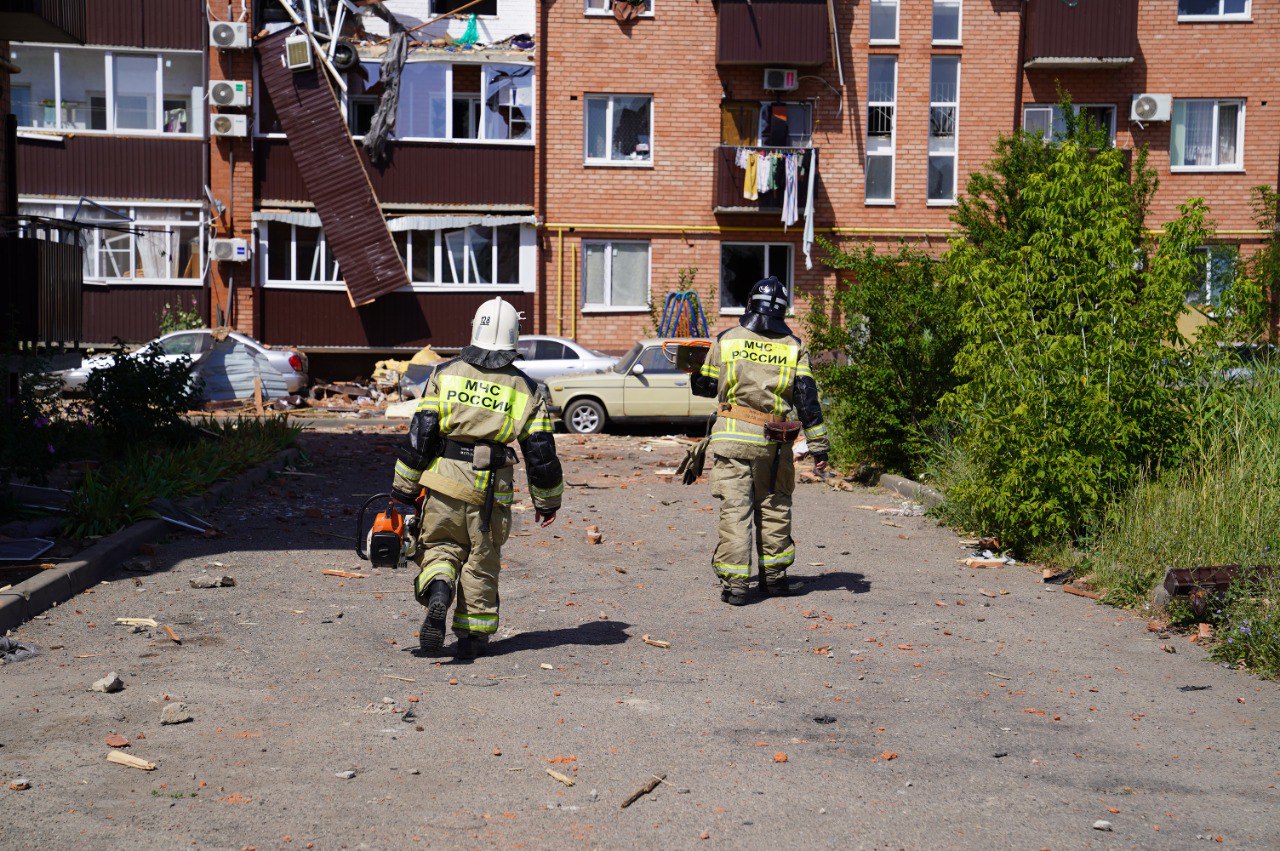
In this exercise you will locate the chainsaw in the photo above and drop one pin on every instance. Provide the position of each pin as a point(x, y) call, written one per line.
point(392, 539)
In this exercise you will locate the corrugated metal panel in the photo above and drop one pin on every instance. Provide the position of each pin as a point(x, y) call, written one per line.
point(132, 311)
point(112, 167)
point(1092, 29)
point(729, 183)
point(310, 318)
point(161, 24)
point(773, 32)
point(41, 289)
point(418, 173)
point(43, 20)
point(333, 175)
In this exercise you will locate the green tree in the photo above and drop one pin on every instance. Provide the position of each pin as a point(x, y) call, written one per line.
point(1071, 385)
point(886, 341)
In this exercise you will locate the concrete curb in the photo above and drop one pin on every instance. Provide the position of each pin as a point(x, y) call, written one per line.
point(908, 489)
point(51, 587)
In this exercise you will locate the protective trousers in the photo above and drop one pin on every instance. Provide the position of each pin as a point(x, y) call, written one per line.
point(742, 486)
point(452, 547)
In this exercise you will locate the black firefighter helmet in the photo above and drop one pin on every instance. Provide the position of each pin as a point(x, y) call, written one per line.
point(767, 307)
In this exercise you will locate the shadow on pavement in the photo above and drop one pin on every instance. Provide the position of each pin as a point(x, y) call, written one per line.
point(854, 583)
point(590, 634)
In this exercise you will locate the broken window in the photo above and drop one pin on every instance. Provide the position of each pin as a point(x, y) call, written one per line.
point(508, 102)
point(445, 7)
point(605, 7)
point(619, 129)
point(423, 111)
point(742, 265)
point(1048, 121)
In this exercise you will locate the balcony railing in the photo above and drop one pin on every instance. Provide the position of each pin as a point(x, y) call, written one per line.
point(729, 195)
point(59, 21)
point(1091, 33)
point(43, 282)
point(773, 32)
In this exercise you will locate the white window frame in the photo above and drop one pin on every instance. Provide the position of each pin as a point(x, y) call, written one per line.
point(893, 138)
point(765, 246)
point(1247, 15)
point(1237, 166)
point(1206, 284)
point(612, 98)
point(955, 137)
point(199, 108)
point(959, 39)
point(608, 283)
point(765, 104)
point(1056, 117)
point(607, 11)
point(65, 209)
point(897, 22)
point(527, 264)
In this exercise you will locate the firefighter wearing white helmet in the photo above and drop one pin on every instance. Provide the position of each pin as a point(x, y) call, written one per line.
point(457, 450)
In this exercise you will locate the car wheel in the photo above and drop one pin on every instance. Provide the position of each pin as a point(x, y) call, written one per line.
point(585, 416)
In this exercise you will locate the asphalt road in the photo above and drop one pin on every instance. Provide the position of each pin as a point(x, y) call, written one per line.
point(893, 705)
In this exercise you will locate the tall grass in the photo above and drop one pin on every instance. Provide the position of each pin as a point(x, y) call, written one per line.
point(1222, 506)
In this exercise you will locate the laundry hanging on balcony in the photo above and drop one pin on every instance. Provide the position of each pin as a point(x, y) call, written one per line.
point(769, 169)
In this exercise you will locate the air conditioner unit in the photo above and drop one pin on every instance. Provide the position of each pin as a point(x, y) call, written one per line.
point(1147, 107)
point(229, 35)
point(781, 79)
point(297, 53)
point(229, 250)
point(229, 93)
point(223, 124)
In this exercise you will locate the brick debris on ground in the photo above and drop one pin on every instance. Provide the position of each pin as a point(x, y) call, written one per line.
point(894, 703)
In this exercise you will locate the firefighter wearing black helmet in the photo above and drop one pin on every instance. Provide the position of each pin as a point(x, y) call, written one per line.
point(760, 374)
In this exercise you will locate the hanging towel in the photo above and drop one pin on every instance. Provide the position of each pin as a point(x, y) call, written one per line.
point(749, 182)
point(808, 211)
point(790, 198)
point(741, 157)
point(764, 174)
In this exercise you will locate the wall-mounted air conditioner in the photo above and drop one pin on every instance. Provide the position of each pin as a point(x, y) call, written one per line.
point(235, 126)
point(229, 93)
point(1147, 107)
point(781, 79)
point(229, 35)
point(229, 250)
point(297, 53)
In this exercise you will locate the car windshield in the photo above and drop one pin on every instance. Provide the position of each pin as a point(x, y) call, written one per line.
point(623, 366)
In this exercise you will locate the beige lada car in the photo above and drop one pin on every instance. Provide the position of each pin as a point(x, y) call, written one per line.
point(644, 385)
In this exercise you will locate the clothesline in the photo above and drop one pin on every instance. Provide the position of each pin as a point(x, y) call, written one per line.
point(761, 166)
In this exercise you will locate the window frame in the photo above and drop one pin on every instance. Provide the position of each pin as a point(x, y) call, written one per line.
point(763, 246)
point(1055, 116)
point(1237, 166)
point(955, 135)
point(897, 23)
point(893, 138)
point(525, 261)
point(611, 98)
point(588, 12)
point(198, 117)
point(608, 307)
point(949, 42)
point(1222, 17)
point(1212, 252)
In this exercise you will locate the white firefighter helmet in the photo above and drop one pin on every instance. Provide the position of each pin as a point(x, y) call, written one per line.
point(496, 326)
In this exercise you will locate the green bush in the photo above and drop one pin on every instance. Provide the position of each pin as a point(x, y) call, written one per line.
point(1070, 388)
point(1248, 624)
point(30, 428)
point(140, 397)
point(884, 343)
point(179, 317)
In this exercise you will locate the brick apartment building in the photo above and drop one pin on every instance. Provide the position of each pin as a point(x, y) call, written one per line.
point(579, 175)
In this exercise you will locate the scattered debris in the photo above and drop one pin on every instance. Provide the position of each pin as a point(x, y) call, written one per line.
point(1080, 592)
point(173, 636)
point(973, 561)
point(16, 651)
point(138, 564)
point(150, 623)
point(109, 684)
point(1102, 824)
point(116, 740)
point(175, 713)
point(888, 755)
point(345, 574)
point(594, 536)
point(206, 580)
point(1204, 631)
point(401, 679)
point(345, 775)
point(544, 666)
point(19, 784)
point(824, 719)
point(780, 756)
point(24, 549)
point(131, 761)
point(566, 780)
point(643, 790)
point(984, 592)
point(1194, 688)
point(654, 642)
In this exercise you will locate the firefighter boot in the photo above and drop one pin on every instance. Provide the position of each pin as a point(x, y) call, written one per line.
point(734, 596)
point(472, 645)
point(784, 587)
point(431, 636)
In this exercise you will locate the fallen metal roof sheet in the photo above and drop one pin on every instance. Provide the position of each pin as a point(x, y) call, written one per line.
point(333, 174)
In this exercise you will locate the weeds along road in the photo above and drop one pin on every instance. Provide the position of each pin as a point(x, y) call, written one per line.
point(894, 704)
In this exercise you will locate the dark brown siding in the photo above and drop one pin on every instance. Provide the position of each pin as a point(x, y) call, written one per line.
point(333, 176)
point(132, 312)
point(1094, 29)
point(159, 24)
point(418, 173)
point(58, 21)
point(41, 289)
point(729, 183)
point(309, 318)
point(112, 167)
point(773, 32)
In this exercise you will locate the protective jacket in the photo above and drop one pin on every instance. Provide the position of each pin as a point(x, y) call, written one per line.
point(769, 374)
point(468, 404)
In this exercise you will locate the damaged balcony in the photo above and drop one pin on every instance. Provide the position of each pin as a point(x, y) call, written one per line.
point(729, 195)
point(1087, 34)
point(773, 32)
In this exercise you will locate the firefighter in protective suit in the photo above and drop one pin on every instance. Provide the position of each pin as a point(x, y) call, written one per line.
point(473, 406)
point(761, 376)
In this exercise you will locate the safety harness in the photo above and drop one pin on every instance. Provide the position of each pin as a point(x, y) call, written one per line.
point(783, 432)
point(483, 456)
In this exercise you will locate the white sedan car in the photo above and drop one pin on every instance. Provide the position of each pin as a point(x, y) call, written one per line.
point(290, 363)
point(543, 357)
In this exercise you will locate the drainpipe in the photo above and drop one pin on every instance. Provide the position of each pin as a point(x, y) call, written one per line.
point(560, 289)
point(540, 173)
point(1021, 71)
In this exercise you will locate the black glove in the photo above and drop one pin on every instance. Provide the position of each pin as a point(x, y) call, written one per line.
point(410, 501)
